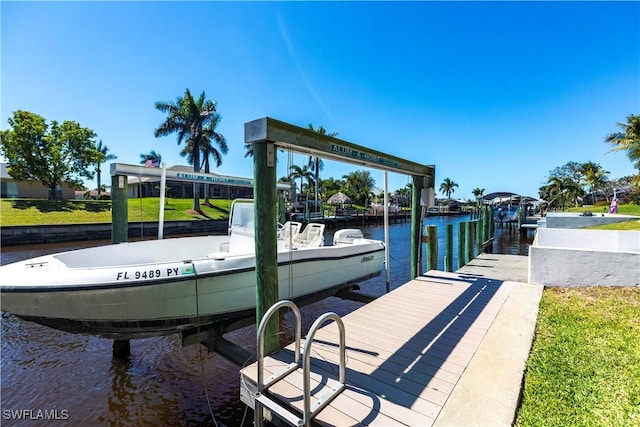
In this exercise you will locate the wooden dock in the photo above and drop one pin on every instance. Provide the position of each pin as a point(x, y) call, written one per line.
point(406, 351)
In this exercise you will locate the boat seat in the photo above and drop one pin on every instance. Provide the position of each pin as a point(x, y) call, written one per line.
point(311, 237)
point(287, 231)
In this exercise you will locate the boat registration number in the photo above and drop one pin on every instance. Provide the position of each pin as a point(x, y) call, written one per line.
point(154, 273)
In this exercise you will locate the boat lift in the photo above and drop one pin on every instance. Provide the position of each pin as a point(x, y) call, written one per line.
point(264, 135)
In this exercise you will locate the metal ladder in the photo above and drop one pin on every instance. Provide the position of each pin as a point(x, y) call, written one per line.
point(261, 398)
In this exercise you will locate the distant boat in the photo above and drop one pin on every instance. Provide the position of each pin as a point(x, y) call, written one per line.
point(433, 210)
point(150, 288)
point(378, 209)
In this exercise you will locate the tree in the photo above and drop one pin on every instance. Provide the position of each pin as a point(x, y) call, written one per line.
point(53, 154)
point(447, 187)
point(555, 189)
point(405, 191)
point(595, 177)
point(477, 193)
point(102, 157)
point(152, 158)
point(358, 186)
point(209, 150)
point(628, 139)
point(248, 148)
point(303, 173)
point(330, 186)
point(195, 121)
point(315, 163)
point(571, 176)
point(559, 189)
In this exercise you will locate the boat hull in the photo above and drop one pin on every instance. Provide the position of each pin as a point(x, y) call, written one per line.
point(153, 294)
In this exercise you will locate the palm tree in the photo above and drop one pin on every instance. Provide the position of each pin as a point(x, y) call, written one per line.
point(152, 159)
point(555, 189)
point(248, 148)
point(209, 150)
point(628, 140)
point(447, 187)
point(194, 120)
point(595, 176)
point(477, 193)
point(301, 172)
point(358, 186)
point(152, 156)
point(315, 163)
point(102, 157)
point(405, 191)
point(330, 186)
point(563, 188)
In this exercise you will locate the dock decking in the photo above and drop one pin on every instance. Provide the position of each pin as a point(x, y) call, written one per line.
point(406, 351)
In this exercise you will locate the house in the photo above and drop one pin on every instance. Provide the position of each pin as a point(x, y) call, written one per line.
point(10, 188)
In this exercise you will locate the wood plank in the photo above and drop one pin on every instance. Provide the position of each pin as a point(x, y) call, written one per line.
point(405, 351)
point(370, 408)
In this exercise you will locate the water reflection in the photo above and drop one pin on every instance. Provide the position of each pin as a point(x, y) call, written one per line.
point(161, 383)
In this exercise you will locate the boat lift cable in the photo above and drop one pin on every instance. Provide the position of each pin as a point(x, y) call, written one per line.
point(204, 382)
point(290, 242)
point(140, 198)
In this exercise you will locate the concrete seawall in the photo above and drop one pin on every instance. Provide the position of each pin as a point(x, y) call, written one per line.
point(577, 257)
point(579, 220)
point(32, 234)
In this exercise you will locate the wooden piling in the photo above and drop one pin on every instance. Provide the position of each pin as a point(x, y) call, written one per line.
point(432, 247)
point(119, 209)
point(462, 232)
point(479, 234)
point(469, 237)
point(416, 226)
point(121, 349)
point(448, 261)
point(265, 230)
point(488, 223)
point(492, 214)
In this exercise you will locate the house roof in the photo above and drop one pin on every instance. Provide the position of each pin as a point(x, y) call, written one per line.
point(176, 168)
point(504, 195)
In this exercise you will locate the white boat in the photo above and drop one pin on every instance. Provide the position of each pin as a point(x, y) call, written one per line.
point(378, 209)
point(149, 288)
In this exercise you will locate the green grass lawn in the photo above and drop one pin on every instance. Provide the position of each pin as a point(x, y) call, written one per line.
point(45, 212)
point(584, 367)
point(629, 209)
point(626, 209)
point(626, 225)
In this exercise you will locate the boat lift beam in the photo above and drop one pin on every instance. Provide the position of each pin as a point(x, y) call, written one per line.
point(265, 135)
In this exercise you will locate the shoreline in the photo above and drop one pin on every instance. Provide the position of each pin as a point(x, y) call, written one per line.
point(59, 233)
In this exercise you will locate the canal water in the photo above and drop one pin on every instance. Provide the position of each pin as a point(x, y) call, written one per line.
point(49, 377)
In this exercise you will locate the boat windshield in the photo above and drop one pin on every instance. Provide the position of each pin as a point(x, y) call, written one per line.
point(242, 216)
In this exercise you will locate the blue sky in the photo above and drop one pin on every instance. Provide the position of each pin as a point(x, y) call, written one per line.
point(495, 94)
